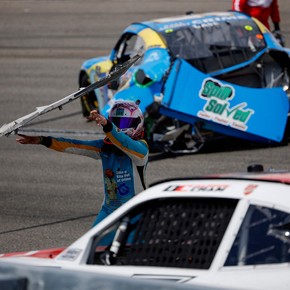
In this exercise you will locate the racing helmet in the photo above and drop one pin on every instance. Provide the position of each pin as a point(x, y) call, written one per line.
point(127, 116)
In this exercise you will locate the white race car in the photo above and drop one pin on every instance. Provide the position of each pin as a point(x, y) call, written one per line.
point(226, 231)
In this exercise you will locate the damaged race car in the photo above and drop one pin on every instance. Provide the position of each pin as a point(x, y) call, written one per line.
point(201, 77)
point(229, 231)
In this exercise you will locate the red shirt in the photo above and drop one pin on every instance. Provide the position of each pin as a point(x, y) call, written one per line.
point(260, 9)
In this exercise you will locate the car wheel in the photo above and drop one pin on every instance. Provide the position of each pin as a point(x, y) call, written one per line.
point(286, 137)
point(89, 101)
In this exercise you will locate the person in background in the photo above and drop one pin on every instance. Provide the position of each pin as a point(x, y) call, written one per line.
point(262, 10)
point(122, 147)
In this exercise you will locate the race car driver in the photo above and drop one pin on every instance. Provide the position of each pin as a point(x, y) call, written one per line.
point(122, 147)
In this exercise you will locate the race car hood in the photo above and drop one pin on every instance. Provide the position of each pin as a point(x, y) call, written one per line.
point(224, 107)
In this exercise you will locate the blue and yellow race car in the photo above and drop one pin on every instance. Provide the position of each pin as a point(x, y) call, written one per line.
point(200, 76)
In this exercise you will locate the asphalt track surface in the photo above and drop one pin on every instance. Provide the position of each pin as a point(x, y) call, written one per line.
point(49, 199)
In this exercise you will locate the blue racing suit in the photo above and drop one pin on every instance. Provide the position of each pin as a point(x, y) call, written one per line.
point(117, 161)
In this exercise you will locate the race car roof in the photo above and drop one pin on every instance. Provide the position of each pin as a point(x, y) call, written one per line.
point(257, 175)
point(262, 188)
point(164, 24)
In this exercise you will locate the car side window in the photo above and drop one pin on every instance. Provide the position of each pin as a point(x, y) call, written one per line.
point(184, 233)
point(263, 238)
point(128, 46)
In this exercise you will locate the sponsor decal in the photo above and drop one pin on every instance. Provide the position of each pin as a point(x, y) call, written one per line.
point(123, 176)
point(70, 254)
point(123, 189)
point(218, 108)
point(152, 57)
point(248, 27)
point(197, 188)
point(197, 23)
point(250, 188)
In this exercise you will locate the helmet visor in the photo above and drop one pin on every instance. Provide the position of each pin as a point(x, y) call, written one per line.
point(125, 122)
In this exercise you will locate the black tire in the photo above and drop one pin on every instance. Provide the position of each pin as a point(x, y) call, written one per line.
point(89, 101)
point(286, 137)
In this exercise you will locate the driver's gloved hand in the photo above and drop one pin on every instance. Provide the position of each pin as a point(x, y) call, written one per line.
point(278, 35)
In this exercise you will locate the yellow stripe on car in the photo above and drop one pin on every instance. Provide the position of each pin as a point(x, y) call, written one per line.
point(152, 38)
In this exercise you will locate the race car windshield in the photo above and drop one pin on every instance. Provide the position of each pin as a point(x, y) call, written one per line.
point(222, 44)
